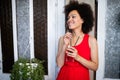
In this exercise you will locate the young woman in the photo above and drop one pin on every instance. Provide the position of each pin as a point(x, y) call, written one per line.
point(77, 50)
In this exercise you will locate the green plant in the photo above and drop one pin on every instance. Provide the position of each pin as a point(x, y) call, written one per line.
point(25, 69)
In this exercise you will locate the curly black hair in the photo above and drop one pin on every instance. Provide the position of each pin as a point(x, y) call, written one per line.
point(85, 12)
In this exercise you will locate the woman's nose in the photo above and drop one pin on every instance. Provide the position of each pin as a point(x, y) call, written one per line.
point(68, 20)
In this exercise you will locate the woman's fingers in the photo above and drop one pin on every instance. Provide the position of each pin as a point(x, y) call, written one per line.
point(67, 38)
point(68, 35)
point(72, 52)
point(71, 49)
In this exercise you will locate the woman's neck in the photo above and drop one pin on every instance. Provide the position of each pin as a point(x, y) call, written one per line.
point(77, 33)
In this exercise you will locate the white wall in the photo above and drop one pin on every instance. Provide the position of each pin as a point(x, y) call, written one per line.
point(55, 30)
point(101, 38)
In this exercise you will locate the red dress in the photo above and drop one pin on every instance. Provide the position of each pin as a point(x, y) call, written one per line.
point(73, 70)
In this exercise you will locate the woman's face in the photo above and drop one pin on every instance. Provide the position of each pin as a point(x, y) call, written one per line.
point(74, 20)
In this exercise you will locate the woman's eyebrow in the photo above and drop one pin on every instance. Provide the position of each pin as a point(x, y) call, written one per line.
point(72, 15)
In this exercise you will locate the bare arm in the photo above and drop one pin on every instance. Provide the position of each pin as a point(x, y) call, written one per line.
point(90, 64)
point(61, 53)
point(93, 63)
point(62, 46)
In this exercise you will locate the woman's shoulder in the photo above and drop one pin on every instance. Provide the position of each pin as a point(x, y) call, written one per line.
point(61, 39)
point(92, 39)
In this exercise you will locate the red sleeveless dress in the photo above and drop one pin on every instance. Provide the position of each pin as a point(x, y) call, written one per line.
point(73, 70)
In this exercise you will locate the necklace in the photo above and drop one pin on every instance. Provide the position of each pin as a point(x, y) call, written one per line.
point(75, 41)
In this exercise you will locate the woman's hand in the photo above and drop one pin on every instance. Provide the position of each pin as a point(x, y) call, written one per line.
point(67, 38)
point(72, 52)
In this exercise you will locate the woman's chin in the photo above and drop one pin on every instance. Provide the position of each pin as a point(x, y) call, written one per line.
point(70, 27)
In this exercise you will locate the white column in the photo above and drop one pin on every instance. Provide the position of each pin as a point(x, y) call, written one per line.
point(14, 30)
point(31, 39)
point(101, 38)
point(56, 28)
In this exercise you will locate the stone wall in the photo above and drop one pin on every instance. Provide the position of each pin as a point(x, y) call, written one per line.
point(112, 41)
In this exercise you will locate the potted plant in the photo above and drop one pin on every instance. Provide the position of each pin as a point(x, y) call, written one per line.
point(25, 69)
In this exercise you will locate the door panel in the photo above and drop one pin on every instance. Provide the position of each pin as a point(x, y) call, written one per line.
point(6, 35)
point(40, 31)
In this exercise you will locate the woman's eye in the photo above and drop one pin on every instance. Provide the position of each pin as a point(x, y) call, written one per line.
point(68, 18)
point(73, 16)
